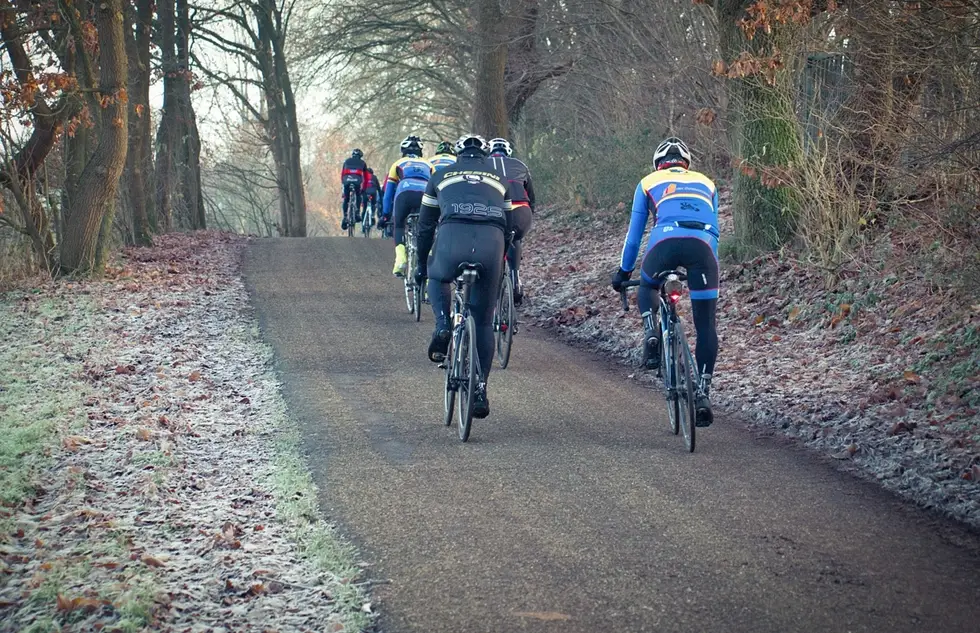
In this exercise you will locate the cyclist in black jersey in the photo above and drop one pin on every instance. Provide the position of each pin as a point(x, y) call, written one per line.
point(470, 203)
point(518, 178)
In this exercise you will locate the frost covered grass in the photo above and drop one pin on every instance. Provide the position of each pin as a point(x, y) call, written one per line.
point(40, 385)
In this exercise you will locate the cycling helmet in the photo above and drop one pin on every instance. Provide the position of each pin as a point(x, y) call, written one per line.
point(370, 170)
point(412, 145)
point(445, 147)
point(357, 153)
point(472, 141)
point(672, 152)
point(500, 145)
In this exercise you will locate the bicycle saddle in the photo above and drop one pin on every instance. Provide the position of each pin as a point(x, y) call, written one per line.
point(475, 267)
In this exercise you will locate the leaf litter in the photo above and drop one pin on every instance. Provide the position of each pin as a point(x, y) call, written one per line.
point(160, 513)
point(881, 375)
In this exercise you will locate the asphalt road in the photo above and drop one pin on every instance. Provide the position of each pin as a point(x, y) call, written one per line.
point(572, 508)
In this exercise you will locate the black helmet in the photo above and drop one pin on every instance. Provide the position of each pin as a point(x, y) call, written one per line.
point(357, 153)
point(500, 145)
point(673, 151)
point(472, 141)
point(445, 147)
point(412, 145)
point(370, 171)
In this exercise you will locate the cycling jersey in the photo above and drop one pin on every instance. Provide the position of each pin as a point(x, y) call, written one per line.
point(684, 203)
point(354, 170)
point(518, 178)
point(441, 160)
point(471, 190)
point(371, 185)
point(408, 173)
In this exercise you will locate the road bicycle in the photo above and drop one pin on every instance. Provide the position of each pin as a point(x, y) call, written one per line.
point(505, 316)
point(367, 221)
point(461, 363)
point(350, 210)
point(677, 368)
point(414, 292)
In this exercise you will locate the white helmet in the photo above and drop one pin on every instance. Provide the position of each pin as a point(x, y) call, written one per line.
point(500, 145)
point(412, 144)
point(468, 141)
point(672, 151)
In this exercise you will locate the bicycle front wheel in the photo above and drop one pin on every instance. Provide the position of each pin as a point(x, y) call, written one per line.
point(469, 368)
point(504, 321)
point(686, 387)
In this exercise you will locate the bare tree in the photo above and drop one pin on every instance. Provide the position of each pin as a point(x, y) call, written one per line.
point(259, 31)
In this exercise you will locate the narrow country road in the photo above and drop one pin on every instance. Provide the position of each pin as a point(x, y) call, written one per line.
point(572, 508)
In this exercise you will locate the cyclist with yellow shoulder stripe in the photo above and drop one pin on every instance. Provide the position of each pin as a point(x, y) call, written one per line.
point(445, 155)
point(406, 181)
point(684, 205)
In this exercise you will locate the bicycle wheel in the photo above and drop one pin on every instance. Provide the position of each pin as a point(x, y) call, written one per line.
point(350, 215)
point(669, 373)
point(503, 320)
point(685, 386)
point(451, 366)
point(469, 368)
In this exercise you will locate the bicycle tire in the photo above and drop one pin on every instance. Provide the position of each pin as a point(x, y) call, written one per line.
point(449, 399)
point(670, 380)
point(685, 387)
point(467, 378)
point(504, 321)
point(350, 216)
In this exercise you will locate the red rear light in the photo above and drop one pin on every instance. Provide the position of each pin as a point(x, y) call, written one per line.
point(675, 297)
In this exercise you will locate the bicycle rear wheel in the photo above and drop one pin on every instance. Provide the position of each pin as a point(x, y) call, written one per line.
point(504, 319)
point(349, 214)
point(669, 372)
point(469, 368)
point(685, 386)
point(451, 366)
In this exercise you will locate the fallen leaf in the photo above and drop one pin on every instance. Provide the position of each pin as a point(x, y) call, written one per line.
point(847, 453)
point(793, 313)
point(144, 434)
point(152, 562)
point(912, 377)
point(194, 376)
point(125, 370)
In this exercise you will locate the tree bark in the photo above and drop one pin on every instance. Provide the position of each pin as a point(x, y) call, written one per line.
point(138, 164)
point(168, 129)
point(764, 133)
point(490, 101)
point(190, 140)
point(92, 205)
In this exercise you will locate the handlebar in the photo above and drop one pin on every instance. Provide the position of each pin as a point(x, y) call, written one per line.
point(622, 292)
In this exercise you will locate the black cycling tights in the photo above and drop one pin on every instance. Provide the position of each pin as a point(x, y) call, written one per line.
point(703, 311)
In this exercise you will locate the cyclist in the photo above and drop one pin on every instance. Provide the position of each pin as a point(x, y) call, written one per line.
point(353, 172)
point(684, 205)
point(445, 155)
point(522, 196)
point(403, 195)
point(371, 190)
point(470, 203)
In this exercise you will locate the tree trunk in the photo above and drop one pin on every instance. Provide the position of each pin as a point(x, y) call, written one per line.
point(764, 133)
point(138, 51)
point(490, 101)
point(168, 129)
point(190, 140)
point(281, 124)
point(92, 203)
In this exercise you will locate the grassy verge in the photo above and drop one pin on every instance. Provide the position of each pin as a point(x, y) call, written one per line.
point(317, 540)
point(41, 390)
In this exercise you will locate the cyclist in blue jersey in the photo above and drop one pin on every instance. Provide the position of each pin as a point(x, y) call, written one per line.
point(684, 205)
point(406, 181)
